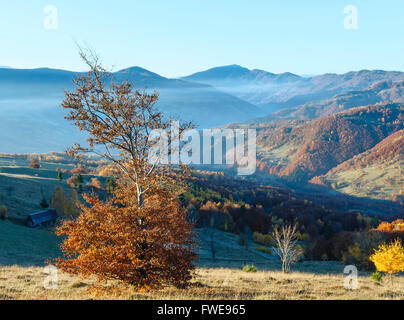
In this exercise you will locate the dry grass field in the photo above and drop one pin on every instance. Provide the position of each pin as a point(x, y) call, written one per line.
point(208, 283)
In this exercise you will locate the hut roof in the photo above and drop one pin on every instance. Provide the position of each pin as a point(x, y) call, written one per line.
point(40, 217)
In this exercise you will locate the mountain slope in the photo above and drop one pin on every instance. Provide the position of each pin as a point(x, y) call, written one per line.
point(384, 91)
point(301, 150)
point(377, 172)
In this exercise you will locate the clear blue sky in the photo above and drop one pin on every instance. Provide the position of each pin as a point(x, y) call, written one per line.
point(179, 37)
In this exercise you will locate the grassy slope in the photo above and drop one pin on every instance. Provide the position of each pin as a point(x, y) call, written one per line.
point(24, 246)
point(22, 188)
point(378, 172)
point(375, 181)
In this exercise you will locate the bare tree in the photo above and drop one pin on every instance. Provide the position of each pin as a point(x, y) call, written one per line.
point(287, 250)
point(119, 121)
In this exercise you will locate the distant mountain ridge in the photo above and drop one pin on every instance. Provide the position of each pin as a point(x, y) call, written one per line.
point(274, 92)
point(30, 105)
point(235, 72)
point(45, 82)
point(383, 91)
point(30, 98)
point(140, 77)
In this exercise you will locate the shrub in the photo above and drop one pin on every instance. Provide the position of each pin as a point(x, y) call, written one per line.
point(250, 268)
point(75, 181)
point(263, 250)
point(3, 212)
point(377, 276)
point(358, 254)
point(389, 258)
point(57, 201)
point(263, 239)
point(96, 184)
point(79, 170)
point(34, 164)
point(302, 249)
point(44, 204)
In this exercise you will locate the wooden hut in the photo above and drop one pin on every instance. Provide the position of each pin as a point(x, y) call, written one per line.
point(42, 218)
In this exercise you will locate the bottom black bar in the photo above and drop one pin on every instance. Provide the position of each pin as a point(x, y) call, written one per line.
point(154, 310)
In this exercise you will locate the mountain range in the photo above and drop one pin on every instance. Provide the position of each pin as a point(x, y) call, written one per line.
point(33, 119)
point(273, 92)
point(383, 91)
point(178, 98)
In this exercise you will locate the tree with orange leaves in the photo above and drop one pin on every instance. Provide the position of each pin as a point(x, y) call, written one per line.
point(392, 227)
point(34, 164)
point(139, 235)
point(146, 247)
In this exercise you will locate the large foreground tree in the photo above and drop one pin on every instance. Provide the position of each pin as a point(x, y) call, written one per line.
point(146, 247)
point(140, 235)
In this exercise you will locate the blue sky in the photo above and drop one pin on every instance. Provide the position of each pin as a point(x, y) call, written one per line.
point(179, 37)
